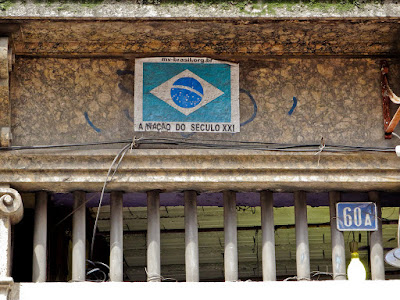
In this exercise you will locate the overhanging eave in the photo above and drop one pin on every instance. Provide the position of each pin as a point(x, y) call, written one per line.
point(200, 170)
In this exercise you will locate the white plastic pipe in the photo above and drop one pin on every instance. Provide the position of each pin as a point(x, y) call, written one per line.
point(116, 237)
point(153, 237)
point(230, 228)
point(79, 237)
point(268, 236)
point(337, 238)
point(377, 262)
point(191, 237)
point(302, 247)
point(39, 264)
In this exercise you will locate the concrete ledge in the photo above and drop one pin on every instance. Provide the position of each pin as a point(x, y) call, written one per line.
point(212, 290)
point(213, 9)
point(220, 38)
point(201, 170)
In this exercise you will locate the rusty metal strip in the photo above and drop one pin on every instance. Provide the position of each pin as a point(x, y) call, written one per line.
point(393, 123)
point(385, 99)
point(389, 124)
point(392, 96)
point(6, 61)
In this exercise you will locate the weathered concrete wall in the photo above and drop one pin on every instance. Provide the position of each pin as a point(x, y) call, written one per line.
point(85, 100)
point(300, 79)
point(70, 100)
point(218, 38)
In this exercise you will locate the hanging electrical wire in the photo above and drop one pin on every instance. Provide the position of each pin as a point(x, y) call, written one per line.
point(118, 157)
point(37, 147)
point(97, 271)
point(215, 144)
point(76, 209)
point(155, 278)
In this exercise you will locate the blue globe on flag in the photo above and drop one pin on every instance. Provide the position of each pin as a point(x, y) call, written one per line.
point(187, 92)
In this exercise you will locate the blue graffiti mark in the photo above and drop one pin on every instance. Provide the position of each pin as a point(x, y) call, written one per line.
point(125, 72)
point(127, 115)
point(90, 122)
point(293, 107)
point(124, 89)
point(254, 108)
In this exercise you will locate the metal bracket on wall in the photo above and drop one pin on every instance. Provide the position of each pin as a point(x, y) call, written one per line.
point(5, 137)
point(11, 58)
point(389, 124)
point(7, 59)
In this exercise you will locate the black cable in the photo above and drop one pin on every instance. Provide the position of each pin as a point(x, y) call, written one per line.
point(216, 144)
point(268, 146)
point(12, 148)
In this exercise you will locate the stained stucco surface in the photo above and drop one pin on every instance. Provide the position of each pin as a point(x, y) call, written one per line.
point(255, 37)
point(84, 100)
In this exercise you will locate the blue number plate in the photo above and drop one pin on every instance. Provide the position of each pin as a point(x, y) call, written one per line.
point(356, 216)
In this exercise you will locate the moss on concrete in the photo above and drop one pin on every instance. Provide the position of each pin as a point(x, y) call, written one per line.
point(259, 7)
point(271, 5)
point(198, 8)
point(5, 4)
point(62, 4)
point(88, 3)
point(91, 3)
